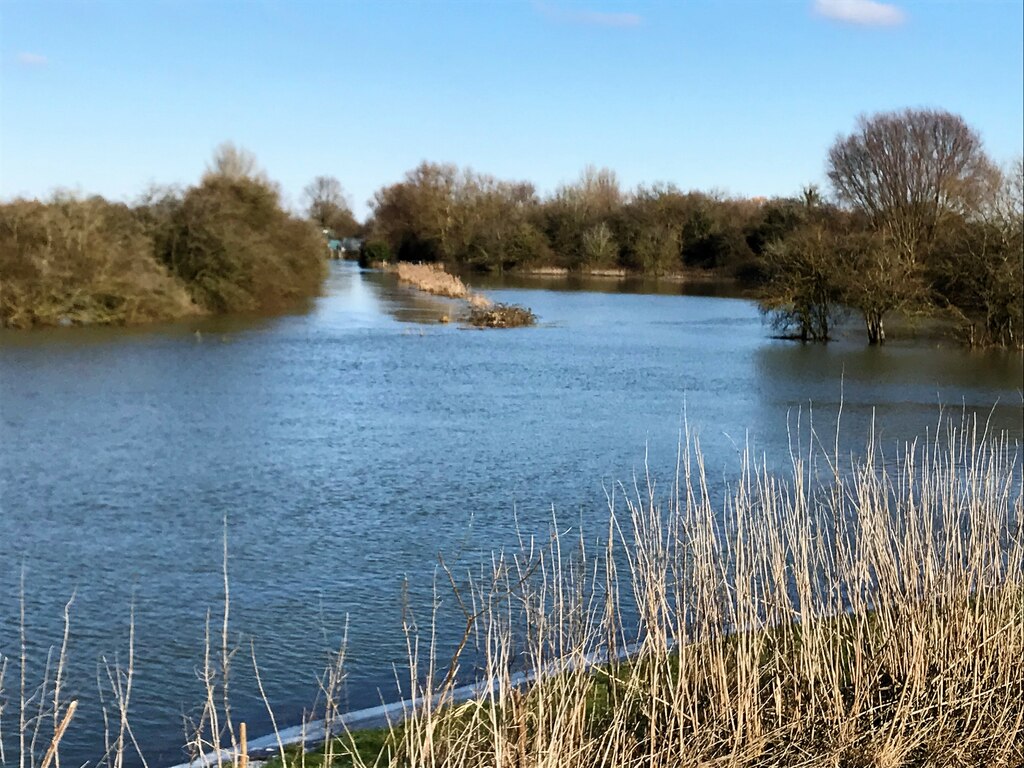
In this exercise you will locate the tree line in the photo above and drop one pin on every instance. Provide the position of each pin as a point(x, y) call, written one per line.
point(225, 244)
point(919, 220)
point(440, 212)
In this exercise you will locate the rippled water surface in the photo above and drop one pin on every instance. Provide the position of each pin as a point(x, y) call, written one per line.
point(346, 446)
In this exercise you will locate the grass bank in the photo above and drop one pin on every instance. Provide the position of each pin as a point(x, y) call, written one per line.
point(866, 615)
point(850, 613)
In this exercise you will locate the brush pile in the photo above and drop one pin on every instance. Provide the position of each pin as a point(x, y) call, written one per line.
point(500, 316)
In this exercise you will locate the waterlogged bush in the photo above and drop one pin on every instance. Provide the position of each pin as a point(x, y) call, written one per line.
point(222, 246)
point(500, 316)
point(75, 261)
point(235, 247)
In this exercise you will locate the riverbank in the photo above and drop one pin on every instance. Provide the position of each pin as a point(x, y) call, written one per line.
point(888, 636)
point(702, 634)
point(689, 276)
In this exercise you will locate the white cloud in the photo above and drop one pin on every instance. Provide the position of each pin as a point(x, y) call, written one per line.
point(589, 18)
point(864, 12)
point(32, 59)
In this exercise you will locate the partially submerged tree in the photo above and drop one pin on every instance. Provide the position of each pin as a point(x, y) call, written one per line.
point(979, 267)
point(802, 297)
point(876, 277)
point(910, 174)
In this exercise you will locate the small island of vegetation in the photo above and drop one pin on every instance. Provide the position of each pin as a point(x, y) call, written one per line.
point(480, 311)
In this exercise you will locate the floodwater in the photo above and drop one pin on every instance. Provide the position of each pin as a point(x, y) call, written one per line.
point(345, 446)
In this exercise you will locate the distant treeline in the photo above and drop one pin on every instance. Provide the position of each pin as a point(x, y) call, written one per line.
point(919, 220)
point(223, 245)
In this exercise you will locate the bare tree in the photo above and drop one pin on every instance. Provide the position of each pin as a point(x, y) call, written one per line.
point(414, 216)
point(981, 268)
point(802, 297)
point(595, 195)
point(599, 246)
point(327, 204)
point(233, 162)
point(876, 278)
point(907, 170)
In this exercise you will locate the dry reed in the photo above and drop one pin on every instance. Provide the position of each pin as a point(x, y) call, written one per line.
point(431, 278)
point(481, 311)
point(866, 615)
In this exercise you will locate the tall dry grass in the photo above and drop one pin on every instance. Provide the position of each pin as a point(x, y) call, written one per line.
point(866, 615)
point(432, 278)
point(866, 612)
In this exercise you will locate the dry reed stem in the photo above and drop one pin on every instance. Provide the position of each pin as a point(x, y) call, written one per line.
point(869, 616)
point(843, 616)
point(243, 746)
point(431, 278)
point(58, 734)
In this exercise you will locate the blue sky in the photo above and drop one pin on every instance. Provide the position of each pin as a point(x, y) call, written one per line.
point(743, 97)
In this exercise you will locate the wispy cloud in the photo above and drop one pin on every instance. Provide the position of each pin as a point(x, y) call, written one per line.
point(32, 59)
point(587, 17)
point(868, 13)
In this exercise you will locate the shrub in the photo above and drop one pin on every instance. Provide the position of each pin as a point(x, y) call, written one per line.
point(500, 316)
point(74, 261)
point(431, 278)
point(374, 252)
point(236, 248)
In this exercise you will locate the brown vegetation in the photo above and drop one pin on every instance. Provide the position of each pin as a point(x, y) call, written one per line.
point(234, 246)
point(481, 312)
point(500, 316)
point(221, 246)
point(930, 226)
point(856, 616)
point(82, 261)
point(920, 220)
point(329, 208)
point(431, 278)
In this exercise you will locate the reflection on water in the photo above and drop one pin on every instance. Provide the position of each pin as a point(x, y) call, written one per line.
point(369, 297)
point(896, 392)
point(347, 446)
point(702, 286)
